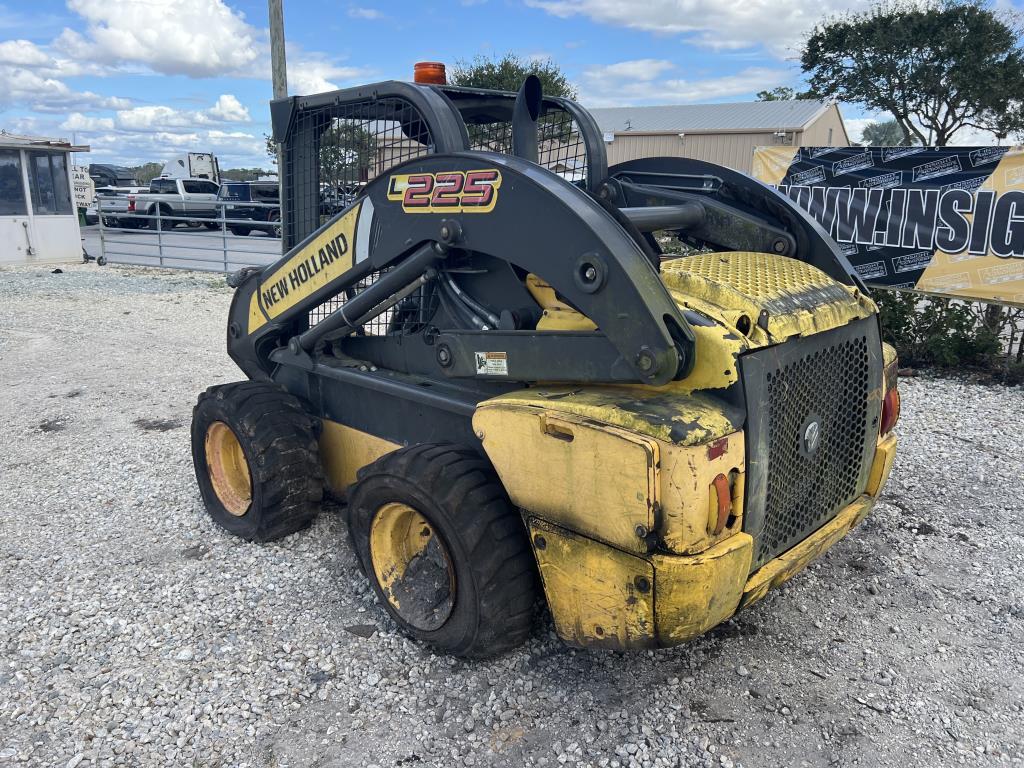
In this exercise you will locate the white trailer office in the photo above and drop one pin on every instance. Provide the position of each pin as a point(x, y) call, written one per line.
point(38, 220)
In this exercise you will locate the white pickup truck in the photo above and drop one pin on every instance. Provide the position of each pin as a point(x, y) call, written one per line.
point(179, 201)
point(112, 204)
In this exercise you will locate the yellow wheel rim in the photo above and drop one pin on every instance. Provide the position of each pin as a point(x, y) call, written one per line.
point(228, 469)
point(412, 566)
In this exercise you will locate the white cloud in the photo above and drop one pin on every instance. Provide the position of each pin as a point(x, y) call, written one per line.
point(196, 38)
point(712, 23)
point(76, 121)
point(310, 74)
point(641, 82)
point(23, 53)
point(41, 93)
point(159, 117)
point(229, 109)
point(233, 148)
point(637, 69)
point(369, 14)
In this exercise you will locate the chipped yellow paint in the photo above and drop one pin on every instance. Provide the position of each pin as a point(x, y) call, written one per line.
point(588, 584)
point(344, 451)
point(881, 466)
point(687, 494)
point(599, 596)
point(716, 353)
point(888, 354)
point(891, 366)
point(594, 478)
point(796, 298)
point(557, 315)
point(693, 594)
point(669, 413)
point(655, 444)
point(785, 566)
point(395, 542)
point(399, 535)
point(564, 320)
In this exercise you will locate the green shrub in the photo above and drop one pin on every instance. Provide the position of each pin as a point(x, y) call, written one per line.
point(929, 331)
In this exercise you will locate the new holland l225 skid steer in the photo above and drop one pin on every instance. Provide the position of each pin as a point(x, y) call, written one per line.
point(488, 355)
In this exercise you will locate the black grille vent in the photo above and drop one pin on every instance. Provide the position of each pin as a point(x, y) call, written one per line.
point(822, 392)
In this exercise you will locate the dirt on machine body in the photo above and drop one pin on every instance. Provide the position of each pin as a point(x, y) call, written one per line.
point(489, 356)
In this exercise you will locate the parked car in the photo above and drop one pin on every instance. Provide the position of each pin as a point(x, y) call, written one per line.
point(255, 201)
point(112, 204)
point(194, 199)
point(334, 200)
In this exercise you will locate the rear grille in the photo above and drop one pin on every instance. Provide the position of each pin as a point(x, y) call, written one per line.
point(824, 380)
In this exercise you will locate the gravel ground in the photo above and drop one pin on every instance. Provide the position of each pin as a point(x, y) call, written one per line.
point(134, 632)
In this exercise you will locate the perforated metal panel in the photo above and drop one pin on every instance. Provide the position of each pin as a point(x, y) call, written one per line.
point(779, 284)
point(812, 424)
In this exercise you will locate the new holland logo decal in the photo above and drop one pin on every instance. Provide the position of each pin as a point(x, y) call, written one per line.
point(446, 192)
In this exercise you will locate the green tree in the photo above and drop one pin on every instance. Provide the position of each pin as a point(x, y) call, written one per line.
point(938, 66)
point(348, 152)
point(885, 133)
point(147, 172)
point(507, 72)
point(781, 93)
point(244, 174)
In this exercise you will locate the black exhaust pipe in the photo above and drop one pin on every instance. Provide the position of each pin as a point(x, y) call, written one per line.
point(524, 118)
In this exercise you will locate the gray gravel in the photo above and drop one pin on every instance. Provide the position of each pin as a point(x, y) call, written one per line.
point(134, 632)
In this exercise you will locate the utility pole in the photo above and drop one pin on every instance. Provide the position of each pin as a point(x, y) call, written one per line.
point(279, 76)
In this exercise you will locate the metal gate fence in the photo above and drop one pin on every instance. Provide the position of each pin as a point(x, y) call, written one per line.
point(208, 240)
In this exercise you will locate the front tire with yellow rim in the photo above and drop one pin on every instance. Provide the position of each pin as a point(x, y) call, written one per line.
point(445, 551)
point(256, 458)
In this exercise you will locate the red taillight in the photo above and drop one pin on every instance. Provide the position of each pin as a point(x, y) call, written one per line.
point(721, 503)
point(890, 410)
point(131, 204)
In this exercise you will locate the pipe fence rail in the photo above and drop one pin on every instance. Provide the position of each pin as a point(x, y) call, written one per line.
point(207, 244)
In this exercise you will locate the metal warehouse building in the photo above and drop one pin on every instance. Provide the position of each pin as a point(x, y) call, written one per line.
point(725, 134)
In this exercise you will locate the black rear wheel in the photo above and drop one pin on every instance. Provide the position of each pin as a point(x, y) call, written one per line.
point(445, 551)
point(164, 223)
point(257, 461)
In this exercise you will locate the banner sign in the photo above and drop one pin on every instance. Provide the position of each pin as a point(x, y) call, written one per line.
point(946, 220)
point(84, 188)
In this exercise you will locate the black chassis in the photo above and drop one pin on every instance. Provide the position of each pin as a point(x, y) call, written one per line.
point(592, 240)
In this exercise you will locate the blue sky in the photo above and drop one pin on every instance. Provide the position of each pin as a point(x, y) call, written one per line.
point(145, 80)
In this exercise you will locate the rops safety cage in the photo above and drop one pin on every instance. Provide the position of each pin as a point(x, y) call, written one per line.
point(334, 143)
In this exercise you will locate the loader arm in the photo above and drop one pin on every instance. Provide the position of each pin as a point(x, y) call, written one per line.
point(423, 218)
point(737, 212)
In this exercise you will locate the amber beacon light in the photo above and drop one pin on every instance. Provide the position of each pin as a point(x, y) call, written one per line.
point(431, 72)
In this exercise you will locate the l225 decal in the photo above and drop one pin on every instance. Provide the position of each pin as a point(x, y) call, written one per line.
point(447, 191)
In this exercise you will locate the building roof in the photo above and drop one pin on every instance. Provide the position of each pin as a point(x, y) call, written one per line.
point(10, 140)
point(711, 118)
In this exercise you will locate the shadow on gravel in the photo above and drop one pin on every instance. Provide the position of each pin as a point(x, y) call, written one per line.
point(157, 425)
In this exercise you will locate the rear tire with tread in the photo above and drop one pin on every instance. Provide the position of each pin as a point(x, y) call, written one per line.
point(457, 491)
point(279, 442)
